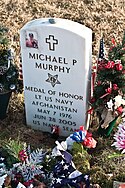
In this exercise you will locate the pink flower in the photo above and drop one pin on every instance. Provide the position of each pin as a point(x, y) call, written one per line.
point(88, 134)
point(115, 87)
point(89, 142)
point(120, 110)
point(120, 138)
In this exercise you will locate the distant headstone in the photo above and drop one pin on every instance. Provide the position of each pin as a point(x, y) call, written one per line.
point(56, 62)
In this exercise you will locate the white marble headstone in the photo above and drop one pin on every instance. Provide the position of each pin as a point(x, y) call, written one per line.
point(56, 62)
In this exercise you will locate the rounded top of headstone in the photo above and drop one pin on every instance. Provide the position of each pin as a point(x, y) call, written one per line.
point(61, 23)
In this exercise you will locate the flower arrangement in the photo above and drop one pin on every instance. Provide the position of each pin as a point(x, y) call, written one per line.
point(55, 168)
point(109, 90)
point(9, 75)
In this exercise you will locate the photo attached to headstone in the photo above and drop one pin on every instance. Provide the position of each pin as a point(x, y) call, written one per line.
point(31, 39)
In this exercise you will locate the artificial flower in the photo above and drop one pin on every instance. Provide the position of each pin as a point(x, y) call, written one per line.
point(22, 155)
point(110, 105)
point(78, 136)
point(119, 110)
point(109, 83)
point(118, 61)
point(115, 86)
point(110, 65)
point(108, 90)
point(119, 67)
point(119, 101)
point(89, 142)
point(120, 138)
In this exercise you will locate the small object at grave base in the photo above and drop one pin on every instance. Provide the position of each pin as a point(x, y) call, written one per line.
point(106, 132)
point(52, 20)
point(55, 131)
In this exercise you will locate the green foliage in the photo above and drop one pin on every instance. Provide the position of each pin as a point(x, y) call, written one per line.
point(80, 157)
point(9, 73)
point(49, 162)
point(11, 149)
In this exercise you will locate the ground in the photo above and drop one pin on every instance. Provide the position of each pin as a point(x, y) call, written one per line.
point(104, 17)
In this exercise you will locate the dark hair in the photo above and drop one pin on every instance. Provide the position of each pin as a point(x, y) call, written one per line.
point(30, 34)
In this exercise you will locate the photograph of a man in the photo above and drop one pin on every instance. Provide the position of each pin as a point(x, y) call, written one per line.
point(31, 40)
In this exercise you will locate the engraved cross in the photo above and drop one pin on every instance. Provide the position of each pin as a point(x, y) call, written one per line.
point(52, 42)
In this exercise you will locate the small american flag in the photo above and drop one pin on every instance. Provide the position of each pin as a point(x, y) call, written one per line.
point(101, 55)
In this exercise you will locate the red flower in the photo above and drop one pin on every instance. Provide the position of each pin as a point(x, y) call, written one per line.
point(110, 65)
point(120, 110)
point(89, 142)
point(28, 183)
point(88, 135)
point(108, 90)
point(22, 155)
point(119, 67)
point(115, 87)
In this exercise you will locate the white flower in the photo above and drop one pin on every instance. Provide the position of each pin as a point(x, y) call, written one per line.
point(117, 61)
point(119, 101)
